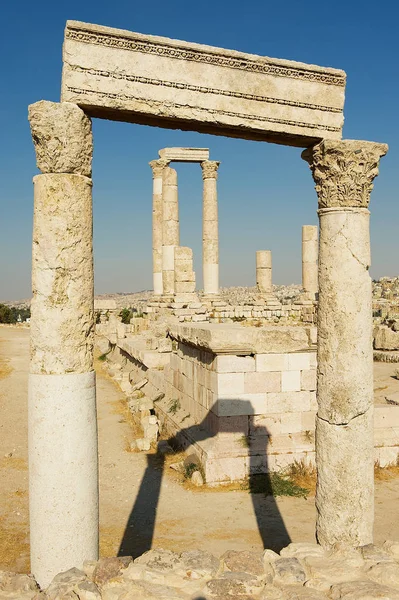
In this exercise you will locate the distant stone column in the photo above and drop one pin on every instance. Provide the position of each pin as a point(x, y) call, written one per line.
point(63, 470)
point(170, 229)
point(210, 234)
point(264, 276)
point(343, 172)
point(157, 167)
point(309, 261)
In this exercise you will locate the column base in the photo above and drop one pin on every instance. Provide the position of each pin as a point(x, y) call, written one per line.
point(267, 299)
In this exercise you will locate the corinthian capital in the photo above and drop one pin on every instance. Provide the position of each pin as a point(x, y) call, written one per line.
point(344, 171)
point(158, 166)
point(209, 169)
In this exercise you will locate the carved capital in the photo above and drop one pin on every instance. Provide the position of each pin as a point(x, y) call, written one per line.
point(62, 137)
point(209, 169)
point(344, 171)
point(158, 166)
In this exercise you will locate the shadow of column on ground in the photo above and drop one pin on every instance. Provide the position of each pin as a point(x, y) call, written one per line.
point(139, 531)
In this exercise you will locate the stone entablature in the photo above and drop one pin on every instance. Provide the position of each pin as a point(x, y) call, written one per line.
point(139, 78)
point(184, 154)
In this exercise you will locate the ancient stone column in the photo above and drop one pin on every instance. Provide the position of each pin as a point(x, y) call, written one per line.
point(309, 261)
point(264, 271)
point(63, 470)
point(264, 277)
point(210, 235)
point(343, 172)
point(170, 229)
point(157, 167)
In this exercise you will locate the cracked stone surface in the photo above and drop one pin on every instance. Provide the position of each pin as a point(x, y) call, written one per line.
point(62, 137)
point(62, 327)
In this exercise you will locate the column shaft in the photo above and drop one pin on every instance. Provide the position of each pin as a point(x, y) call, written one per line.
point(63, 464)
point(210, 234)
point(309, 260)
point(344, 424)
point(157, 224)
point(264, 271)
point(170, 229)
point(343, 172)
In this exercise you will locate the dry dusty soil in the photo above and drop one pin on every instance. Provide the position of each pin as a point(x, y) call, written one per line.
point(143, 504)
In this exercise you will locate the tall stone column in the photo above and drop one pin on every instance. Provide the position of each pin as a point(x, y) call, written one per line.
point(170, 229)
point(210, 234)
point(157, 167)
point(309, 261)
point(343, 172)
point(63, 469)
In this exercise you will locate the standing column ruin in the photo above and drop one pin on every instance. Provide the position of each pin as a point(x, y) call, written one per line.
point(157, 167)
point(170, 230)
point(264, 277)
point(210, 234)
point(63, 469)
point(343, 172)
point(309, 262)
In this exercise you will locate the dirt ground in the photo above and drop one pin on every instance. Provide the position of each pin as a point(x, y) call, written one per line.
point(142, 503)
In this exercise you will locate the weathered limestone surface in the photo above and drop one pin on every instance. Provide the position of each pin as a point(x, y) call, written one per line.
point(301, 572)
point(184, 154)
point(210, 233)
point(234, 339)
point(62, 137)
point(170, 229)
point(63, 469)
point(157, 167)
point(343, 173)
point(114, 73)
point(62, 275)
point(309, 260)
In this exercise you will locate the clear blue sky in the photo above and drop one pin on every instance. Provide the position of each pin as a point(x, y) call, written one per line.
point(265, 191)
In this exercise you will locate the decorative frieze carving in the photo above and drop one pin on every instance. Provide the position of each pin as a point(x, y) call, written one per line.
point(79, 34)
point(209, 169)
point(344, 171)
point(123, 75)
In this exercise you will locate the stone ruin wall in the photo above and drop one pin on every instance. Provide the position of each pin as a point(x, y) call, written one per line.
point(249, 411)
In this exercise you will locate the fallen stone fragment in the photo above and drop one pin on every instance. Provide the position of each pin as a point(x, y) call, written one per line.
point(64, 583)
point(157, 397)
point(178, 466)
point(363, 590)
point(288, 571)
point(301, 550)
point(392, 548)
point(244, 561)
point(386, 573)
point(271, 592)
point(159, 559)
point(143, 444)
point(201, 562)
point(139, 385)
point(296, 592)
point(108, 568)
point(233, 585)
point(269, 556)
point(372, 553)
point(197, 479)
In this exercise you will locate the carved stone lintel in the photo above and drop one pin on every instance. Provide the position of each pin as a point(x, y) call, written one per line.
point(62, 137)
point(158, 166)
point(344, 171)
point(209, 169)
